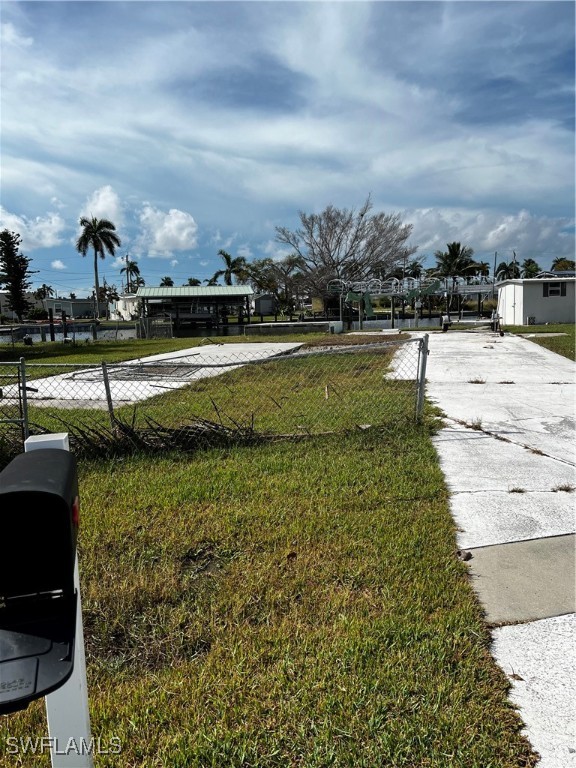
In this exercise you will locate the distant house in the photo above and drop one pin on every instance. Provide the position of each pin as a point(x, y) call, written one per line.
point(547, 298)
point(76, 308)
point(126, 307)
point(265, 304)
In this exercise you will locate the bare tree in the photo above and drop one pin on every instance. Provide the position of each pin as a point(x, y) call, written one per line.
point(347, 244)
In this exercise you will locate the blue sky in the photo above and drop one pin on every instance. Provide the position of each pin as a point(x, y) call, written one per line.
point(196, 126)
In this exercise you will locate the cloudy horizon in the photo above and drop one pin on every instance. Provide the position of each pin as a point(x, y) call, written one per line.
point(196, 126)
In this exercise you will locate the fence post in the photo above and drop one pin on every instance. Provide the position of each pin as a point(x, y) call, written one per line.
point(106, 381)
point(23, 397)
point(422, 375)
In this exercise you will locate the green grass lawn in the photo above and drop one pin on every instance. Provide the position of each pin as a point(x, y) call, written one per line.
point(562, 345)
point(286, 604)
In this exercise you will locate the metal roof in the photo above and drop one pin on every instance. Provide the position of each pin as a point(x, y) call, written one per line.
point(536, 280)
point(194, 292)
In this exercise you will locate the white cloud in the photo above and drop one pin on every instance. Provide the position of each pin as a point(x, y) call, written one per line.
point(120, 262)
point(40, 232)
point(104, 203)
point(244, 251)
point(223, 245)
point(57, 264)
point(274, 250)
point(163, 233)
point(340, 99)
point(487, 231)
point(9, 35)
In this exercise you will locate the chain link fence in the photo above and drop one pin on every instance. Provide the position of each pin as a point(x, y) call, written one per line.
point(13, 422)
point(217, 393)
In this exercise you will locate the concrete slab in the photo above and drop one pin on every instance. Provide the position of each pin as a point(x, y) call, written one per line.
point(540, 416)
point(502, 492)
point(539, 660)
point(481, 354)
point(520, 577)
point(84, 388)
point(467, 375)
point(225, 352)
point(525, 580)
point(472, 460)
point(490, 518)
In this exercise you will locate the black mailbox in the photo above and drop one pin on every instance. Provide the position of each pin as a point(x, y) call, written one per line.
point(38, 531)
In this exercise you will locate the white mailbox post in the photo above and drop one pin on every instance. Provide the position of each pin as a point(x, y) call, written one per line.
point(67, 708)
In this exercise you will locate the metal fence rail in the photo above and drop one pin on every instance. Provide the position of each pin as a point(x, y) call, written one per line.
point(306, 392)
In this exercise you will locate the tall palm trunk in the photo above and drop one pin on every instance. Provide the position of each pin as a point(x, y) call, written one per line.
point(96, 287)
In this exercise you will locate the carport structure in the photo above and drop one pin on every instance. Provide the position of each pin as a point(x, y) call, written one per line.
point(197, 305)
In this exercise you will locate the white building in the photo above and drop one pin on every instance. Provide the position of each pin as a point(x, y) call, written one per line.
point(126, 307)
point(546, 299)
point(74, 308)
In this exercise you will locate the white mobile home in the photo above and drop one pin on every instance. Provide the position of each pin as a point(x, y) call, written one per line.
point(125, 307)
point(537, 300)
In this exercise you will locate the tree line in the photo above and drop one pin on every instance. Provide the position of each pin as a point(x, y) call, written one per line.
point(344, 244)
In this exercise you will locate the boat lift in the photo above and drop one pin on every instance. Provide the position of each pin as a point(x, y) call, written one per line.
point(406, 289)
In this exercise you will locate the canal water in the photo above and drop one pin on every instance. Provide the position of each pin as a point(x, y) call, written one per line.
point(120, 334)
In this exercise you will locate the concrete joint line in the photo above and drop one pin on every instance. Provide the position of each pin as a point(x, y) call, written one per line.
point(523, 492)
point(496, 436)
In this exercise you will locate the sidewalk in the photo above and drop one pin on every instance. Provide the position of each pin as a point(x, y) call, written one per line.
point(508, 454)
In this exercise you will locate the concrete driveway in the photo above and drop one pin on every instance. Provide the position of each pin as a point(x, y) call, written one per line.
point(508, 455)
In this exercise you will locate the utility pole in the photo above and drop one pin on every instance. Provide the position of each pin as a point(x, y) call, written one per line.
point(494, 273)
point(105, 300)
point(514, 291)
point(127, 276)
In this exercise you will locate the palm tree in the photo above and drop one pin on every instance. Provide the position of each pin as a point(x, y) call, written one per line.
point(507, 270)
point(193, 281)
point(43, 293)
point(237, 268)
point(530, 268)
point(561, 264)
point(455, 262)
point(413, 269)
point(166, 282)
point(100, 235)
point(132, 271)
